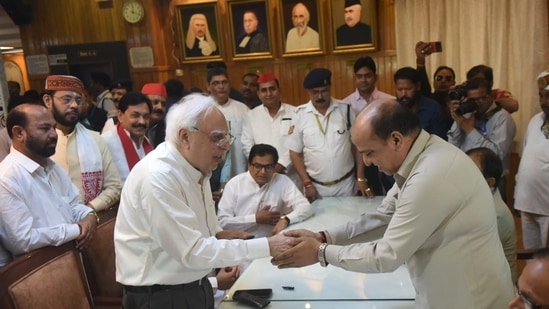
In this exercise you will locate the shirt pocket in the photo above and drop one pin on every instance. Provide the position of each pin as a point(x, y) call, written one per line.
point(313, 139)
point(340, 136)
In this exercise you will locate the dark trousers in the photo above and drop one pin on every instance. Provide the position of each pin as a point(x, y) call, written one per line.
point(184, 296)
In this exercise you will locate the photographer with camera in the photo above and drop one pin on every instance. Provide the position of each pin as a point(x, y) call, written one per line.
point(502, 97)
point(480, 122)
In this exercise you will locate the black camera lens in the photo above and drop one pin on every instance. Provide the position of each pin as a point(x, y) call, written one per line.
point(465, 107)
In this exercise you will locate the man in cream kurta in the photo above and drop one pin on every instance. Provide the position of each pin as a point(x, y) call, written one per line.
point(439, 218)
point(88, 163)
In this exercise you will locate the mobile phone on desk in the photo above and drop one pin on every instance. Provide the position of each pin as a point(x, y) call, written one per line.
point(435, 47)
point(263, 293)
point(250, 300)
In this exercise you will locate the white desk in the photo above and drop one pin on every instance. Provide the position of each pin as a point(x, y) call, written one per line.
point(318, 286)
point(362, 304)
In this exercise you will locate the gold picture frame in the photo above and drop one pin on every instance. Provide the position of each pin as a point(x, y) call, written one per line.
point(359, 32)
point(302, 33)
point(250, 29)
point(199, 32)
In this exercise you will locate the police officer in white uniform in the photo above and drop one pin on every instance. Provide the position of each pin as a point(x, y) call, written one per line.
point(320, 141)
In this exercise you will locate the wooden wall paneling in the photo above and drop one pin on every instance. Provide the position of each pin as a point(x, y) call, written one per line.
point(89, 22)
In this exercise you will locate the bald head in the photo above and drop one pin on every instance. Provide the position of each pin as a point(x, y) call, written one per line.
point(383, 133)
point(386, 116)
point(32, 129)
point(533, 283)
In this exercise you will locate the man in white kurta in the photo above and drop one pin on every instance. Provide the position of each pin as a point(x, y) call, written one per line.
point(39, 205)
point(235, 113)
point(260, 201)
point(439, 218)
point(82, 153)
point(270, 123)
point(532, 185)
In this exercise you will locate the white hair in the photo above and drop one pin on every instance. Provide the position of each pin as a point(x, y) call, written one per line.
point(187, 114)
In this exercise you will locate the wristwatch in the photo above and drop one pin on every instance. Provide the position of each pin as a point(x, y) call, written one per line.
point(322, 254)
point(284, 217)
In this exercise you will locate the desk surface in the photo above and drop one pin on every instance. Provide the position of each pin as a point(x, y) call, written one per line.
point(315, 283)
point(362, 304)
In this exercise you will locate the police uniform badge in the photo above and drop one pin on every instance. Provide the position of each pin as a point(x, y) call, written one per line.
point(291, 129)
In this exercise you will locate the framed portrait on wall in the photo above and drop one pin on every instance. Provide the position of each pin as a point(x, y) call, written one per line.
point(199, 32)
point(250, 29)
point(301, 27)
point(354, 25)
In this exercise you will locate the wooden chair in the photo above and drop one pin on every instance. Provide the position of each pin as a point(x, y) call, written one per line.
point(99, 262)
point(49, 277)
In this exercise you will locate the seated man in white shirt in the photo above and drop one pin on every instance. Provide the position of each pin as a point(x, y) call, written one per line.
point(260, 201)
point(39, 205)
point(128, 143)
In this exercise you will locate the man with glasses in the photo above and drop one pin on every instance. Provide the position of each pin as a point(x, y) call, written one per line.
point(156, 92)
point(443, 80)
point(235, 113)
point(320, 142)
point(489, 126)
point(167, 237)
point(82, 153)
point(533, 284)
point(260, 201)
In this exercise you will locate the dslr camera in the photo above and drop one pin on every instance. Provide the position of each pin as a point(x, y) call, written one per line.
point(459, 93)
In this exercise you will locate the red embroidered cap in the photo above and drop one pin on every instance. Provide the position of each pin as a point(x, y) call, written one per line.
point(64, 83)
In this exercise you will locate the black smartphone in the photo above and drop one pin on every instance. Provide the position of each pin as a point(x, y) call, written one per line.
point(436, 47)
point(251, 300)
point(263, 293)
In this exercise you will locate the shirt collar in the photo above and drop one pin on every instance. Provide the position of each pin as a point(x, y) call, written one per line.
point(410, 161)
point(27, 163)
point(311, 108)
point(195, 174)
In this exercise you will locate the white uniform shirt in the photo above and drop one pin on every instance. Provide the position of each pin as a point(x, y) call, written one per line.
point(39, 206)
point(260, 128)
point(243, 198)
point(329, 156)
point(440, 220)
point(166, 225)
point(235, 112)
point(531, 191)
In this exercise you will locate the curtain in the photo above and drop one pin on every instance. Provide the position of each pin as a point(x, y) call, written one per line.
point(510, 36)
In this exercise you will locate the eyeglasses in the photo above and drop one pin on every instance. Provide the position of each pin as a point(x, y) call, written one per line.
point(480, 99)
point(528, 304)
point(448, 78)
point(268, 168)
point(67, 99)
point(217, 138)
point(217, 83)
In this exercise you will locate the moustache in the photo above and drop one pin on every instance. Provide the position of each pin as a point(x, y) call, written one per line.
point(139, 126)
point(158, 111)
point(320, 101)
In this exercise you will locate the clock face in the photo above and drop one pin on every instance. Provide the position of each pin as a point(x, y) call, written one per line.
point(133, 12)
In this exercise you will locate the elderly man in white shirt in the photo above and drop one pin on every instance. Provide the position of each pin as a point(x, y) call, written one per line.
point(260, 201)
point(39, 205)
point(167, 237)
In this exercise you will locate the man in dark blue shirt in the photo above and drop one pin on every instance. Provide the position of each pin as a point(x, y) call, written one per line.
point(408, 93)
